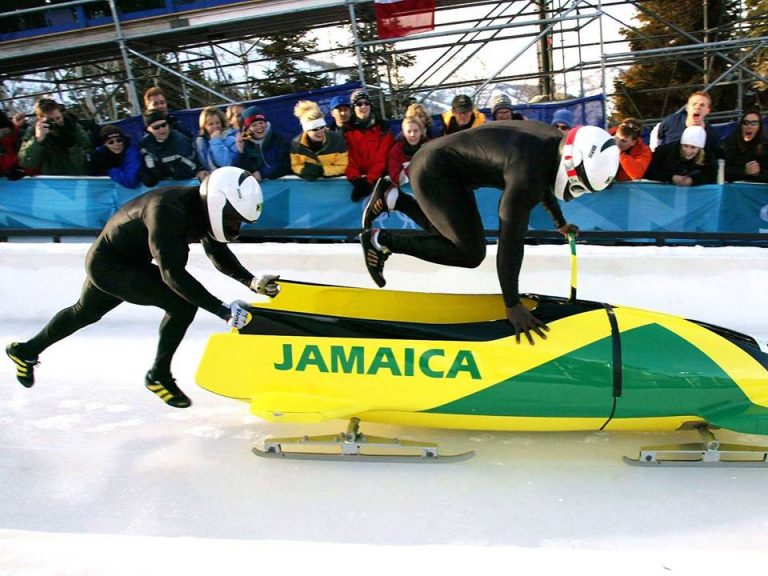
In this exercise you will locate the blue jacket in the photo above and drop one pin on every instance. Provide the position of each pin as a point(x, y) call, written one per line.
point(123, 169)
point(271, 158)
point(214, 152)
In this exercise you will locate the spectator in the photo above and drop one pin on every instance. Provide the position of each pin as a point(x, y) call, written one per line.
point(501, 108)
point(405, 146)
point(746, 150)
point(211, 145)
point(635, 155)
point(56, 145)
point(462, 115)
point(416, 109)
point(154, 99)
point(317, 152)
point(234, 111)
point(9, 146)
point(670, 129)
point(685, 163)
point(562, 119)
point(341, 112)
point(166, 153)
point(368, 141)
point(117, 157)
point(261, 150)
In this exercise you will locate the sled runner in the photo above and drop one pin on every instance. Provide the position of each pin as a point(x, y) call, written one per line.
point(318, 352)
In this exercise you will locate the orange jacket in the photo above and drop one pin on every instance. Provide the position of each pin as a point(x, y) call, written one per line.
point(634, 162)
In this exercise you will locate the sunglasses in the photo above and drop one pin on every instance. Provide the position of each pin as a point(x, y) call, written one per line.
point(750, 122)
point(362, 104)
point(116, 140)
point(315, 129)
point(159, 126)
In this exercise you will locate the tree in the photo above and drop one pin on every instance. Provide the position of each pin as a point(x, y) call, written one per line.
point(287, 50)
point(655, 87)
point(757, 16)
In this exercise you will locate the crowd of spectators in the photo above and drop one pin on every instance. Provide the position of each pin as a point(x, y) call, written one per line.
point(352, 141)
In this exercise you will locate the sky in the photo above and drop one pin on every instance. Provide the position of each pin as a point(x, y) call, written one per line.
point(98, 477)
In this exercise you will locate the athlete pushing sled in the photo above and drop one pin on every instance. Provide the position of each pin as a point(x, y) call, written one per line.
point(160, 225)
point(531, 162)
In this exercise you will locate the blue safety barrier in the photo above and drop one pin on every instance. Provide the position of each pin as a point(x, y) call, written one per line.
point(293, 204)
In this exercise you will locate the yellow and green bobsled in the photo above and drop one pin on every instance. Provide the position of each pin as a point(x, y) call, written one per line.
point(318, 352)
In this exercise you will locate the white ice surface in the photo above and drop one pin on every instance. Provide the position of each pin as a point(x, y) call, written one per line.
point(99, 477)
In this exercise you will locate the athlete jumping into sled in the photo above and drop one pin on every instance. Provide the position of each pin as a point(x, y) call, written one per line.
point(530, 162)
point(160, 225)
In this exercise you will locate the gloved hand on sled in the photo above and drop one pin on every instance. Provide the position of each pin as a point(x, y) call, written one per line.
point(267, 284)
point(238, 315)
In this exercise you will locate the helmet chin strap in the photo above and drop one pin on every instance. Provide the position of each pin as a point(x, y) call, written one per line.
point(576, 186)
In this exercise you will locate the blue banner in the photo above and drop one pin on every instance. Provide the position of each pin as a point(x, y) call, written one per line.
point(51, 202)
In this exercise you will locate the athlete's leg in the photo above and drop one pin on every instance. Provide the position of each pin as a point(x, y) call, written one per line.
point(90, 308)
point(451, 209)
point(142, 284)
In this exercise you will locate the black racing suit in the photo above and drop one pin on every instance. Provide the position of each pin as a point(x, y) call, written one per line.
point(518, 156)
point(157, 225)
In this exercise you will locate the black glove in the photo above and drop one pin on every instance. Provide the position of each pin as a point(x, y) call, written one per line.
point(360, 189)
point(312, 172)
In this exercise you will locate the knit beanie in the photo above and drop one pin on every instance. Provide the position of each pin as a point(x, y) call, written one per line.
point(152, 116)
point(359, 94)
point(110, 131)
point(563, 116)
point(499, 102)
point(251, 115)
point(694, 136)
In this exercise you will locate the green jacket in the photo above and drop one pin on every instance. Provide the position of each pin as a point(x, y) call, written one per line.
point(65, 154)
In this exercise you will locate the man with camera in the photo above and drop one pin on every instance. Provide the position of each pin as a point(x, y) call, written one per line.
point(56, 145)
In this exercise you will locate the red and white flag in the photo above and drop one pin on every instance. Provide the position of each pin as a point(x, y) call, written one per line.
point(396, 18)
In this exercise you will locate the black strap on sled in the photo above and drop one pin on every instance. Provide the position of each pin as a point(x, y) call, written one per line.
point(615, 360)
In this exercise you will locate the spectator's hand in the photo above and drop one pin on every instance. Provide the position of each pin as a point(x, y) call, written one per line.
point(682, 180)
point(523, 322)
point(752, 168)
point(567, 228)
point(201, 175)
point(257, 175)
point(238, 315)
point(360, 189)
point(239, 142)
point(41, 130)
point(267, 284)
point(311, 171)
point(19, 119)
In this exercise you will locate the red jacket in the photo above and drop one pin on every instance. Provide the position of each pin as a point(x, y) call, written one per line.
point(9, 157)
point(368, 149)
point(634, 162)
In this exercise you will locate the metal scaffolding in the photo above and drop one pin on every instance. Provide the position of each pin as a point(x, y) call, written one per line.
point(542, 49)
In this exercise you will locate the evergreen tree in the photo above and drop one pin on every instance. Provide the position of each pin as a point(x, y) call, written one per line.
point(287, 50)
point(757, 17)
point(653, 88)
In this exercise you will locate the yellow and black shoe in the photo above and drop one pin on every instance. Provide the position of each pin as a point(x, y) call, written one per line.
point(25, 366)
point(165, 388)
point(374, 257)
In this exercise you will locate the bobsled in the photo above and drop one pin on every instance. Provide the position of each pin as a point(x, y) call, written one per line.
point(319, 352)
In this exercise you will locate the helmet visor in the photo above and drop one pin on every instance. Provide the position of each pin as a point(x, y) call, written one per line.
point(231, 221)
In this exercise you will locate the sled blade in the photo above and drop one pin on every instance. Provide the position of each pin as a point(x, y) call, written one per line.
point(702, 455)
point(355, 446)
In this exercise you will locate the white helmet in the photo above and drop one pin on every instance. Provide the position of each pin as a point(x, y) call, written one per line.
point(589, 162)
point(230, 197)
